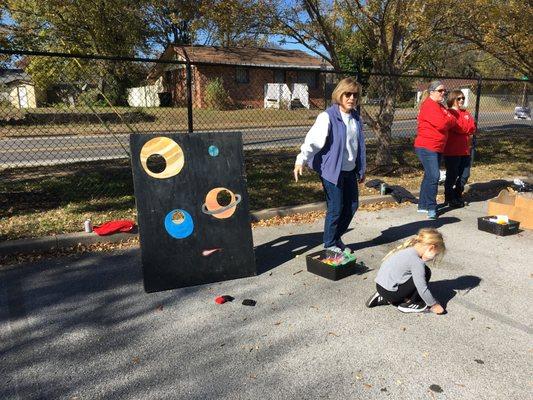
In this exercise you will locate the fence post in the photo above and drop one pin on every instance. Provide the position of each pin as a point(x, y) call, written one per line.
point(476, 117)
point(189, 98)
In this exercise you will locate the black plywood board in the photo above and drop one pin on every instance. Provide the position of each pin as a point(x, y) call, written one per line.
point(168, 262)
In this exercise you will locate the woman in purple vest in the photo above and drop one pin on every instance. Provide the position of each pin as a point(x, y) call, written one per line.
point(335, 148)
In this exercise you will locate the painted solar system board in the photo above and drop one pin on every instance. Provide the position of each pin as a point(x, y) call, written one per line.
point(192, 209)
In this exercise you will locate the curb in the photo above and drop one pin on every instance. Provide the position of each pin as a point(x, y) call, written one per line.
point(48, 243)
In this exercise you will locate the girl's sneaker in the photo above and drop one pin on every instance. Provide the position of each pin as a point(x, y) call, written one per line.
point(413, 307)
point(376, 300)
point(432, 214)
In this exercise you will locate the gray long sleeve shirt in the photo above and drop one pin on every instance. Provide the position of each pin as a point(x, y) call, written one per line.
point(401, 266)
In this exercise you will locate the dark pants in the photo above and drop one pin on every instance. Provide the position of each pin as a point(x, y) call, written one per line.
point(406, 290)
point(457, 174)
point(430, 183)
point(342, 202)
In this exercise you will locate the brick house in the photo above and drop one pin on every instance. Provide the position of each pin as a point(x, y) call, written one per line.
point(245, 76)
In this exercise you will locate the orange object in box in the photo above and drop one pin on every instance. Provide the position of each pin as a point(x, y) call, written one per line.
point(518, 207)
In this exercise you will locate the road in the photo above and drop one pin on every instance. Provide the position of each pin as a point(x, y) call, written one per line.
point(53, 150)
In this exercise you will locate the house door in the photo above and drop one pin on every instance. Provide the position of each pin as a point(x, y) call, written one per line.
point(23, 97)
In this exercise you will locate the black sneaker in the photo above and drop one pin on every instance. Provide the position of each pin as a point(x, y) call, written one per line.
point(413, 307)
point(376, 300)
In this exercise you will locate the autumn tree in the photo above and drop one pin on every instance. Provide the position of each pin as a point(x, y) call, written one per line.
point(397, 33)
point(230, 23)
point(111, 27)
point(174, 21)
point(501, 28)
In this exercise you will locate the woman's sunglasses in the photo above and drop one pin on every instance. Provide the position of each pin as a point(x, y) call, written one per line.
point(350, 94)
point(460, 98)
point(441, 90)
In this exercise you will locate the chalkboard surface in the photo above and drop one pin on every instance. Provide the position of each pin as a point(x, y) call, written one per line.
point(192, 209)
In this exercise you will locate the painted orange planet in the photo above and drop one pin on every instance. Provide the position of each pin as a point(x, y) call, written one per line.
point(214, 208)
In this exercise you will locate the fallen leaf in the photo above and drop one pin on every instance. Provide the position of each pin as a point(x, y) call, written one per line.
point(277, 323)
point(367, 385)
point(403, 328)
point(160, 307)
point(297, 272)
point(479, 361)
point(333, 333)
point(136, 360)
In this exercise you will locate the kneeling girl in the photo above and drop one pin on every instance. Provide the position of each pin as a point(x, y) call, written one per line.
point(403, 277)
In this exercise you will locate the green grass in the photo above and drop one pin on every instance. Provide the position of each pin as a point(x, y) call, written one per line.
point(45, 201)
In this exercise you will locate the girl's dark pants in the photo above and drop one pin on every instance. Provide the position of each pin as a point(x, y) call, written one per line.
point(406, 290)
point(342, 202)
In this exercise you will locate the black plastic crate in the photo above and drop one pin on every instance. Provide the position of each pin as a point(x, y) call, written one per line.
point(334, 273)
point(483, 224)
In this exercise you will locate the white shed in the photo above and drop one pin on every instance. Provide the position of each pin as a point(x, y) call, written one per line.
point(17, 88)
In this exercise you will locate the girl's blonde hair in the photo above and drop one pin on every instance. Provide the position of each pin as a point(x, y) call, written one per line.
point(427, 236)
point(346, 85)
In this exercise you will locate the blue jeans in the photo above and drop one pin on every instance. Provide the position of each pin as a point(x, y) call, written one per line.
point(430, 183)
point(457, 173)
point(342, 202)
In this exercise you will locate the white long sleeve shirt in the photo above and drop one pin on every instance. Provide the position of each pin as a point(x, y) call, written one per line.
point(316, 138)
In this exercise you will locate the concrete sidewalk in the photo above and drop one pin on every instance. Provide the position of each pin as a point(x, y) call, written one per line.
point(83, 327)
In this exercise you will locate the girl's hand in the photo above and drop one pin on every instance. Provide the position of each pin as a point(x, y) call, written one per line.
point(437, 309)
point(298, 169)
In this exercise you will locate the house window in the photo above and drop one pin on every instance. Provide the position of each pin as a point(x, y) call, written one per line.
point(309, 77)
point(279, 76)
point(242, 75)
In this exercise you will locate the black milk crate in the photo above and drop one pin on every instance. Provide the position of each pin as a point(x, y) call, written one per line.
point(483, 224)
point(334, 273)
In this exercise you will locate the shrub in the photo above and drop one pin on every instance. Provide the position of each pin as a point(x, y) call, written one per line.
point(216, 97)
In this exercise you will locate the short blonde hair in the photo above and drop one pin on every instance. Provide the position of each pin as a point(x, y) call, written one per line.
point(427, 236)
point(346, 85)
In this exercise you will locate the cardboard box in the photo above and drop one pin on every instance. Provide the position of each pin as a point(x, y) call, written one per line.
point(518, 207)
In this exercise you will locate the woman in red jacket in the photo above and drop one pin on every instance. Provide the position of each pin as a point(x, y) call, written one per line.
point(457, 150)
point(434, 122)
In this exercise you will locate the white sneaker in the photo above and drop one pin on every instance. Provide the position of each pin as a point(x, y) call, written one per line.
point(413, 307)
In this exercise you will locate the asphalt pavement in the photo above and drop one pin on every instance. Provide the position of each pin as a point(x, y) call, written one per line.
point(83, 328)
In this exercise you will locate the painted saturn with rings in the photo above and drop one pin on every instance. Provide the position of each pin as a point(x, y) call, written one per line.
point(212, 204)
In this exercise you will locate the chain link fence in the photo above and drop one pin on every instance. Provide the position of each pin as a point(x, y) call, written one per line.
point(70, 117)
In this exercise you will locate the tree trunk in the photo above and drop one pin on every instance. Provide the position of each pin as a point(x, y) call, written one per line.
point(381, 122)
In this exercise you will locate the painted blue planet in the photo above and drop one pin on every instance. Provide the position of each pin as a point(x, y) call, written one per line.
point(213, 150)
point(181, 227)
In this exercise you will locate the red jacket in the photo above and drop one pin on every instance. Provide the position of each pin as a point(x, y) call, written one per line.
point(460, 136)
point(434, 122)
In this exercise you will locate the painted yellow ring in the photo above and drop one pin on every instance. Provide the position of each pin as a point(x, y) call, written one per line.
point(169, 150)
